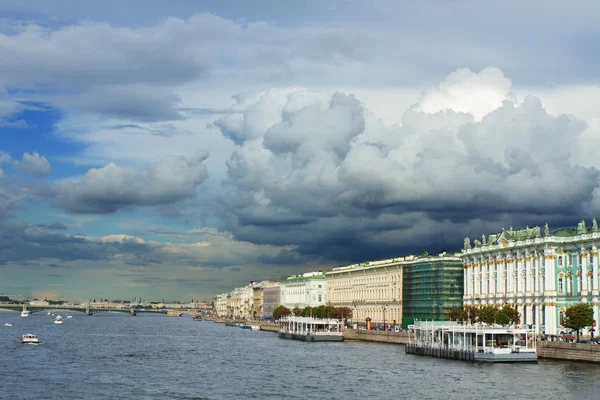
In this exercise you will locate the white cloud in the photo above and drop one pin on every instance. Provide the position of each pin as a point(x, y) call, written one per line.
point(34, 165)
point(112, 187)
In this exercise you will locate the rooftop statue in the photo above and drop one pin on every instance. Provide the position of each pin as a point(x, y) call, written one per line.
point(483, 239)
point(583, 228)
point(477, 243)
point(546, 230)
point(467, 244)
point(594, 225)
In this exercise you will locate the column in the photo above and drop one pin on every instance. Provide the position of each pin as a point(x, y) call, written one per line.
point(537, 261)
point(485, 276)
point(537, 317)
point(509, 277)
point(529, 319)
point(584, 276)
point(550, 293)
point(594, 287)
point(499, 270)
point(465, 280)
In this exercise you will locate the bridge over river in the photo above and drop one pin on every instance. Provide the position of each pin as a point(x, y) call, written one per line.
point(86, 309)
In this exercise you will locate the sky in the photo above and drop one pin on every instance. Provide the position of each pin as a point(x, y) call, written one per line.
point(177, 150)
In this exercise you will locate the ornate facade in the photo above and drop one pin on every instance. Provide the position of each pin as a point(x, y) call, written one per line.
point(398, 290)
point(539, 274)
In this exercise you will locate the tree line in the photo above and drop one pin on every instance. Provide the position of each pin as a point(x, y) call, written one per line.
point(488, 314)
point(322, 311)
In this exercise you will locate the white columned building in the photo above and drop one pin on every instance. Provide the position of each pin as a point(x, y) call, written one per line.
point(541, 274)
point(306, 290)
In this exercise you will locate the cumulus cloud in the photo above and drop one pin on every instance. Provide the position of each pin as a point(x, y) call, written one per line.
point(330, 178)
point(112, 187)
point(34, 165)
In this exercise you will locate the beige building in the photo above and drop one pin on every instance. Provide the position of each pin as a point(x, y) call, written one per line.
point(372, 289)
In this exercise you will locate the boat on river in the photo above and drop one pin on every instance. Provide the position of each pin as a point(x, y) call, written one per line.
point(8, 324)
point(58, 320)
point(30, 338)
point(25, 313)
point(311, 329)
point(494, 344)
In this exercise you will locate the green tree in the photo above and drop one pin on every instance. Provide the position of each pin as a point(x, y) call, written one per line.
point(344, 313)
point(579, 316)
point(296, 311)
point(281, 312)
point(306, 312)
point(511, 313)
point(472, 312)
point(457, 313)
point(487, 314)
point(424, 253)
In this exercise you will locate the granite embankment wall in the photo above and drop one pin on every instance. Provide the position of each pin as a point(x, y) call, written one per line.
point(569, 351)
point(376, 336)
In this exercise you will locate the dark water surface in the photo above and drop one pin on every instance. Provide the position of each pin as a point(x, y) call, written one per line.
point(115, 356)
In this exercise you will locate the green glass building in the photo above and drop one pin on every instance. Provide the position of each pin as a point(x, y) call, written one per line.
point(432, 286)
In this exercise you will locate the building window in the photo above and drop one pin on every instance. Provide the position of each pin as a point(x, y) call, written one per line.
point(561, 285)
point(579, 284)
point(570, 260)
point(320, 299)
point(580, 260)
point(560, 261)
point(320, 286)
point(561, 318)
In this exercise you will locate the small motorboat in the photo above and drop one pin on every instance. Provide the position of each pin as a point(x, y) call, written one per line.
point(30, 338)
point(255, 327)
point(8, 324)
point(58, 320)
point(49, 313)
point(69, 316)
point(25, 313)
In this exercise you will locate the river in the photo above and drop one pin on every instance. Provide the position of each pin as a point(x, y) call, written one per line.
point(116, 356)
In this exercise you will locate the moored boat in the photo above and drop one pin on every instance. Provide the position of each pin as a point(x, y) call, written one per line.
point(494, 344)
point(30, 338)
point(25, 313)
point(255, 327)
point(311, 329)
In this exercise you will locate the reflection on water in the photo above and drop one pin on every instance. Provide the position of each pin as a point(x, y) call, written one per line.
point(115, 356)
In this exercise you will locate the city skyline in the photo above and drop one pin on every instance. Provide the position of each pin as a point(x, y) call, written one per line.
point(182, 150)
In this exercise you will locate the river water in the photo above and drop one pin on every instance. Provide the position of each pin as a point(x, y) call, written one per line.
point(116, 356)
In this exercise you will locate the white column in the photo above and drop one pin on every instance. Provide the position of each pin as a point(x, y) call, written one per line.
point(499, 270)
point(529, 319)
point(594, 287)
point(584, 276)
point(509, 277)
point(550, 294)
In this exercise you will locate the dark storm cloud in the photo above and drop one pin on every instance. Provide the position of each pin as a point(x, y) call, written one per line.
point(312, 178)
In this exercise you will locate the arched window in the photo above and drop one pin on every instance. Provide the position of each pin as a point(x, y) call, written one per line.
point(560, 261)
point(561, 318)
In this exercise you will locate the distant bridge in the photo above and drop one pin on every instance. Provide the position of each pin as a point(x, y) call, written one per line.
point(82, 309)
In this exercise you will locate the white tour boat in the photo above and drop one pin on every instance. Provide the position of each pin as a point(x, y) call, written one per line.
point(25, 313)
point(255, 328)
point(8, 324)
point(472, 342)
point(30, 338)
point(311, 329)
point(58, 320)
